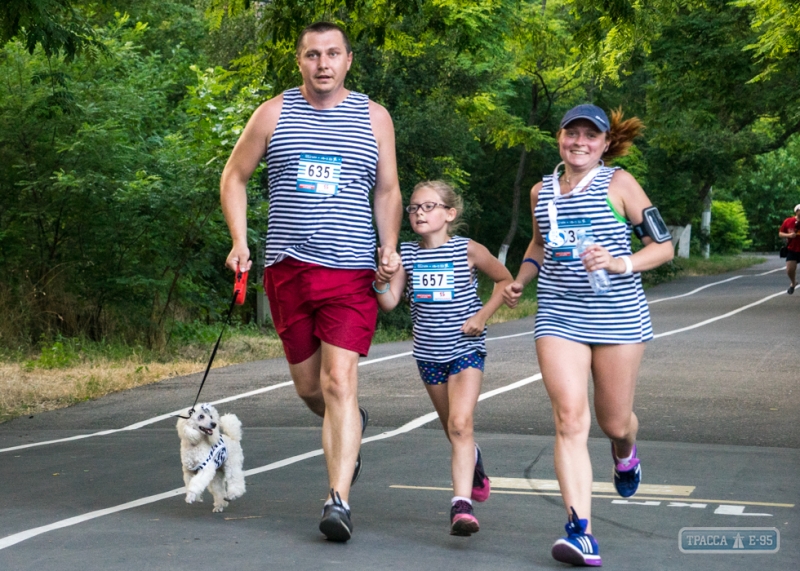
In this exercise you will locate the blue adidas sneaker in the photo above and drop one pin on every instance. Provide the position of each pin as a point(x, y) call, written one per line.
point(627, 473)
point(578, 548)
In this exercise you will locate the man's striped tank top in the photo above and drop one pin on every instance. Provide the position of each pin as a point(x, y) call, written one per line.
point(321, 165)
point(443, 293)
point(568, 307)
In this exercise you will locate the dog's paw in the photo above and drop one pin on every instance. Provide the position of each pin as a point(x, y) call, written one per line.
point(191, 497)
point(219, 507)
point(235, 492)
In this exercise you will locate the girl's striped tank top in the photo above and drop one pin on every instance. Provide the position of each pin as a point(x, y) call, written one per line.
point(443, 292)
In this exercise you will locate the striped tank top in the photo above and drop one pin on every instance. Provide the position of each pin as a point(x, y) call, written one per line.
point(568, 308)
point(321, 165)
point(443, 293)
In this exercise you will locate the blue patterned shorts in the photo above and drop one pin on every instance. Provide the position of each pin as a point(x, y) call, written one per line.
point(438, 373)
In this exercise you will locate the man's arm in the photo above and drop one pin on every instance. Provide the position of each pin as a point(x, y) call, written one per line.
point(785, 233)
point(244, 159)
point(388, 203)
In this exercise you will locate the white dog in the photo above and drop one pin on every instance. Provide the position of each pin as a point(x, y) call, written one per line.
point(211, 455)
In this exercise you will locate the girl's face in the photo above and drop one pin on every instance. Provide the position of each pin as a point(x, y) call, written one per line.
point(581, 145)
point(434, 221)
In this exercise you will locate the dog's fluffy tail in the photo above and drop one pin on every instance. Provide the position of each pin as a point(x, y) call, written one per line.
point(231, 426)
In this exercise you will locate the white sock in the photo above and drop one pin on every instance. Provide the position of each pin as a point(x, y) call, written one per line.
point(462, 498)
point(626, 460)
point(344, 503)
point(476, 454)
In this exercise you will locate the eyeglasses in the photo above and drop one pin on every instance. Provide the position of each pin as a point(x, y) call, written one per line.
point(425, 207)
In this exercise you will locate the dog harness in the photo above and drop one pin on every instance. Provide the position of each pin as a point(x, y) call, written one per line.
point(218, 454)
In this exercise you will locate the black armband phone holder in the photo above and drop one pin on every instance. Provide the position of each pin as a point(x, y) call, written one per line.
point(652, 226)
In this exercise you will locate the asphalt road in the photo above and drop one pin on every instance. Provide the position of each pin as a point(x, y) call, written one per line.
point(719, 441)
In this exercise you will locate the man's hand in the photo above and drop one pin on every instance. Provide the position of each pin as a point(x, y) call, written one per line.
point(388, 264)
point(239, 259)
point(512, 293)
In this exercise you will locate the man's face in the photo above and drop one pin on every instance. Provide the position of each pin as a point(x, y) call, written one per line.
point(324, 61)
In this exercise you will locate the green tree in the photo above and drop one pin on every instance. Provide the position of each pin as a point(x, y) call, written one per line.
point(769, 191)
point(109, 203)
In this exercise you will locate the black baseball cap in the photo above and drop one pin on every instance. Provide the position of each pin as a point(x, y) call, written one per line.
point(589, 112)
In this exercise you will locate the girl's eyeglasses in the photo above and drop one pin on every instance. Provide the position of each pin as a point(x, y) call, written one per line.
point(425, 207)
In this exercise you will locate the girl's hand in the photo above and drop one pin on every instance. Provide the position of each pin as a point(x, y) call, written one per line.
point(596, 257)
point(473, 326)
point(511, 294)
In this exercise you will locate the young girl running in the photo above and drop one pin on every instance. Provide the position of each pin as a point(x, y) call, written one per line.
point(440, 275)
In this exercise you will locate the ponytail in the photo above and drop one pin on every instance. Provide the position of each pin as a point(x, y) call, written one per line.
point(621, 135)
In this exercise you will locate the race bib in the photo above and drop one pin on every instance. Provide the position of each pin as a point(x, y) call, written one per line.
point(565, 244)
point(434, 282)
point(319, 174)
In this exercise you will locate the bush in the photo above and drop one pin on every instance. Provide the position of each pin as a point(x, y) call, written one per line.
point(729, 228)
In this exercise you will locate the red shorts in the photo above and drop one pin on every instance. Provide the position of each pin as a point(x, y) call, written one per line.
point(311, 303)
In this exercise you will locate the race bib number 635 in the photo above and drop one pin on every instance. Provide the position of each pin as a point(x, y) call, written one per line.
point(319, 174)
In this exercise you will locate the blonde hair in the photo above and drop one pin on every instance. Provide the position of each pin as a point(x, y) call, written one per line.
point(451, 198)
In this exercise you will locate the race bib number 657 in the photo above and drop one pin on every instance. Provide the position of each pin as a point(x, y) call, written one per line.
point(433, 282)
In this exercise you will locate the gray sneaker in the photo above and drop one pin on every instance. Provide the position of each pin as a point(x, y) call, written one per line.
point(335, 523)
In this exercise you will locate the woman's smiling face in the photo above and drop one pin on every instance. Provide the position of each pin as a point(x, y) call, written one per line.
point(581, 144)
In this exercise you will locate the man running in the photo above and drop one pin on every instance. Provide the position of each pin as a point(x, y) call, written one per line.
point(789, 231)
point(326, 148)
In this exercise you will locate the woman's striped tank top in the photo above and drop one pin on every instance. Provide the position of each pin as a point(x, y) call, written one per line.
point(443, 293)
point(321, 165)
point(568, 307)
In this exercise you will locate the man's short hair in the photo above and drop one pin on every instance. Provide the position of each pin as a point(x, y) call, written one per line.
point(321, 28)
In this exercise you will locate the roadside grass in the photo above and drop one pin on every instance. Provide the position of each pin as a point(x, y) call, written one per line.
point(717, 264)
point(62, 372)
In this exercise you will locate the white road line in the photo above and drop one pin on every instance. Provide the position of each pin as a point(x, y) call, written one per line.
point(145, 422)
point(713, 319)
point(694, 291)
point(172, 414)
point(15, 538)
point(771, 272)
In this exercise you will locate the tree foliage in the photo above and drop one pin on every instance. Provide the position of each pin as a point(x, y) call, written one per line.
point(117, 116)
point(52, 24)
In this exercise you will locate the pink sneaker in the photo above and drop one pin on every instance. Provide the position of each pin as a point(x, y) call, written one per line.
point(462, 520)
point(481, 487)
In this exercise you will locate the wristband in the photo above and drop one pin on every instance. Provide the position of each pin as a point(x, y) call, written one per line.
point(380, 291)
point(534, 262)
point(628, 265)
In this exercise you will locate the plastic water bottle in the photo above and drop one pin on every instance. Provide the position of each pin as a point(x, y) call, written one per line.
point(598, 279)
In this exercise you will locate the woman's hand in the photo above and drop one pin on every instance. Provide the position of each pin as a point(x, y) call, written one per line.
point(596, 257)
